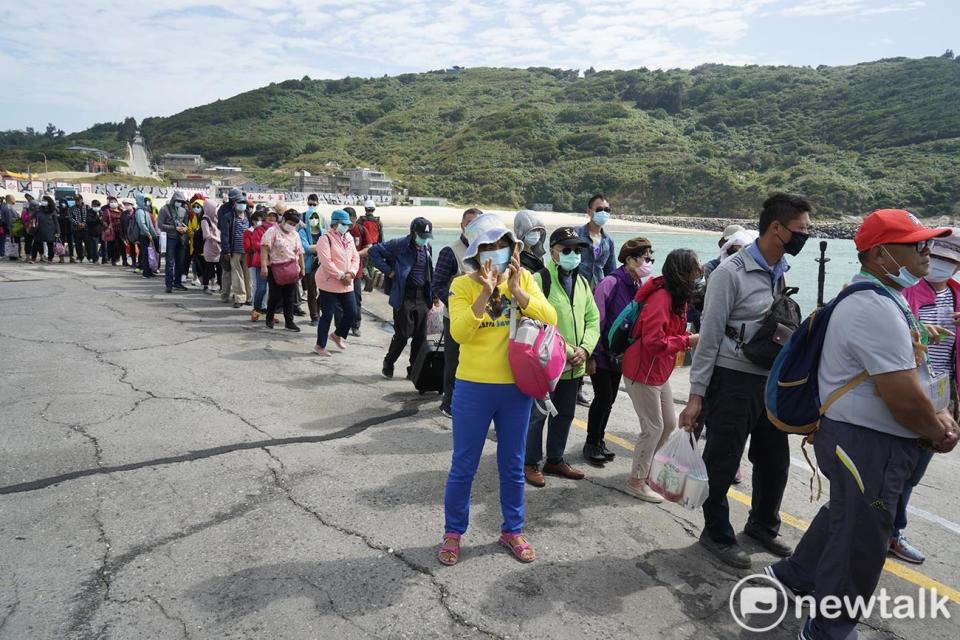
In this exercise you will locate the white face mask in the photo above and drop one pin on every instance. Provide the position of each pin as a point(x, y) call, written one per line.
point(940, 270)
point(287, 227)
point(197, 209)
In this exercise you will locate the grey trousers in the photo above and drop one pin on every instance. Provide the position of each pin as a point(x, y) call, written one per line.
point(843, 551)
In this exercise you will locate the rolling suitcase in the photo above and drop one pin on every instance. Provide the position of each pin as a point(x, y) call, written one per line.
point(427, 372)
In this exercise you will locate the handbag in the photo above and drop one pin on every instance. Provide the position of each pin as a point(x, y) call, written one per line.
point(153, 258)
point(58, 249)
point(285, 273)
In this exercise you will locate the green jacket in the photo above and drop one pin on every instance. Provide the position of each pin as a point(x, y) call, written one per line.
point(578, 320)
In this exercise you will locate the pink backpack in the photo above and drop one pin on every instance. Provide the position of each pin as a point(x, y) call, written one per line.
point(538, 357)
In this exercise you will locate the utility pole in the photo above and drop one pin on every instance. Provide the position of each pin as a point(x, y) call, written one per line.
point(46, 178)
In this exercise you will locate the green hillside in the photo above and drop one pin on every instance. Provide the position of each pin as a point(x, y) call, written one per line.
point(710, 141)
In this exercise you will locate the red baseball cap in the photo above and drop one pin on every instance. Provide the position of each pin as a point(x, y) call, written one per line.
point(894, 226)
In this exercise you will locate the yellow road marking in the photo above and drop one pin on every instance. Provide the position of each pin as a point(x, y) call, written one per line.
point(891, 566)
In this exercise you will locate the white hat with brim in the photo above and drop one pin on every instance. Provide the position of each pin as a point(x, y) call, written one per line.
point(948, 247)
point(487, 228)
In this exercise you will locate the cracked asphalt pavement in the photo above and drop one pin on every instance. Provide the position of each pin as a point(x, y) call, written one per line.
point(171, 470)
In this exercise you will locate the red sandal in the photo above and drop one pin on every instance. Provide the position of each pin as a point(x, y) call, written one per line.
point(451, 546)
point(518, 546)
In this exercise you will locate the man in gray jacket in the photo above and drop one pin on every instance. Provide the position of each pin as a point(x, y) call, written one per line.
point(172, 220)
point(730, 387)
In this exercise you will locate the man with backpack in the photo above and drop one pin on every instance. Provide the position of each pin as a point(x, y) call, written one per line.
point(373, 229)
point(450, 264)
point(881, 402)
point(408, 264)
point(578, 321)
point(729, 385)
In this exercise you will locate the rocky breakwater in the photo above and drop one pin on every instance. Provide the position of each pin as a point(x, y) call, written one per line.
point(841, 228)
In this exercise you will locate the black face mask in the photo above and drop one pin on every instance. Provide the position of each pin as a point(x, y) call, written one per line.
point(795, 245)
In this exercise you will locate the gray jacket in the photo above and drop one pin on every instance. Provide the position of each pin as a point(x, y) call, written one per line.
point(169, 218)
point(739, 293)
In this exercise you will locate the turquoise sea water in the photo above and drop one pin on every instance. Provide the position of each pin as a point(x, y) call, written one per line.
point(803, 272)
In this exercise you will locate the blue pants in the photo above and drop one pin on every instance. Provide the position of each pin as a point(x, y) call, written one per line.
point(260, 287)
point(328, 306)
point(474, 406)
point(900, 520)
point(176, 258)
point(564, 399)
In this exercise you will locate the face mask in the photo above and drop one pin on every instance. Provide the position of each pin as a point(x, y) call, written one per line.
point(181, 209)
point(343, 228)
point(197, 209)
point(286, 226)
point(70, 203)
point(600, 218)
point(241, 207)
point(904, 278)
point(940, 270)
point(643, 269)
point(569, 261)
point(500, 258)
point(531, 239)
point(314, 222)
point(114, 205)
point(259, 222)
point(421, 242)
point(311, 208)
point(795, 245)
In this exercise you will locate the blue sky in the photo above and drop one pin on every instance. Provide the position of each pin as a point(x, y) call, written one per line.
point(76, 62)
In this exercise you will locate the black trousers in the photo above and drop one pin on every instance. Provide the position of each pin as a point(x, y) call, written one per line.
point(409, 323)
point(451, 360)
point(37, 248)
point(735, 410)
point(92, 246)
point(281, 295)
point(80, 242)
point(606, 384)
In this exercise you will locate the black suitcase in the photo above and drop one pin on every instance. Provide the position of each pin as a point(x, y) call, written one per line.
point(427, 372)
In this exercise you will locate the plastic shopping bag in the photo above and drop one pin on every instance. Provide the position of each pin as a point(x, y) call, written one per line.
point(678, 472)
point(435, 319)
point(163, 242)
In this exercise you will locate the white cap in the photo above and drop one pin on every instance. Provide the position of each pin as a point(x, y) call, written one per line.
point(369, 204)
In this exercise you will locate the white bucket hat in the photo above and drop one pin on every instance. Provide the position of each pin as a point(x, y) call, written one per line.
point(486, 228)
point(948, 247)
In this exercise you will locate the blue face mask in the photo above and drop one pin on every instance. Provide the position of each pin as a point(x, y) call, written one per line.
point(421, 242)
point(311, 208)
point(70, 203)
point(343, 228)
point(904, 278)
point(569, 261)
point(600, 218)
point(241, 207)
point(499, 257)
point(531, 238)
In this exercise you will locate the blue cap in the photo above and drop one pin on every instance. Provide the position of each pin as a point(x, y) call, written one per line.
point(339, 216)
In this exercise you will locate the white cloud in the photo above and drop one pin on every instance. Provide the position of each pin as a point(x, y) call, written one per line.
point(817, 8)
point(128, 60)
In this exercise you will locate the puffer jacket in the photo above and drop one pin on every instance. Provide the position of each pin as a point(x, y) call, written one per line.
point(659, 335)
point(578, 319)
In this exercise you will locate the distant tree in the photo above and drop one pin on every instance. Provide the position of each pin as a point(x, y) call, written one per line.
point(948, 54)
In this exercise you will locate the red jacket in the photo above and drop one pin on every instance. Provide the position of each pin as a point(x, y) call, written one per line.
point(659, 335)
point(251, 244)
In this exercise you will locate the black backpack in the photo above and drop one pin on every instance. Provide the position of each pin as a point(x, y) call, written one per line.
point(778, 324)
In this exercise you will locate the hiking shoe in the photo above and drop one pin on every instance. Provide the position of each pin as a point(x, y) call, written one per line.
point(169, 289)
point(533, 475)
point(387, 371)
point(593, 455)
point(292, 327)
point(609, 455)
point(269, 323)
point(729, 554)
point(642, 492)
point(562, 469)
point(180, 287)
point(773, 544)
point(902, 549)
point(236, 305)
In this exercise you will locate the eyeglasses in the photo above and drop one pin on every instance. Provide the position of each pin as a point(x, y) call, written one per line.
point(599, 209)
point(920, 246)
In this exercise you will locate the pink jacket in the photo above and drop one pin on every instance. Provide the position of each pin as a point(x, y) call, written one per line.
point(922, 295)
point(336, 255)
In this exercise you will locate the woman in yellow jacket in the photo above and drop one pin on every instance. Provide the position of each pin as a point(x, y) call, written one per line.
point(480, 307)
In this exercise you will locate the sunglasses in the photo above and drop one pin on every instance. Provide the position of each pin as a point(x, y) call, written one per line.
point(567, 251)
point(599, 209)
point(920, 246)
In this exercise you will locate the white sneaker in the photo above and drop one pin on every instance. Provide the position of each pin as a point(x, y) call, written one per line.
point(643, 492)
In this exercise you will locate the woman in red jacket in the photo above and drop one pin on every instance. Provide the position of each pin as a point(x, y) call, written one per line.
point(659, 334)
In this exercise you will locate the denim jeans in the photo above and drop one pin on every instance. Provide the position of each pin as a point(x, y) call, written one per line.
point(564, 399)
point(173, 271)
point(260, 286)
point(328, 305)
point(475, 405)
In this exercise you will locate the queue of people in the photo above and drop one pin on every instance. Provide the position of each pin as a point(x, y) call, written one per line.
point(885, 363)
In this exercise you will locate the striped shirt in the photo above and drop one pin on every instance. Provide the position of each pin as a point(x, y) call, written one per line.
point(941, 314)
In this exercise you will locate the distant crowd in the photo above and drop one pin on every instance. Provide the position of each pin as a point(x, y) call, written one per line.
point(876, 368)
